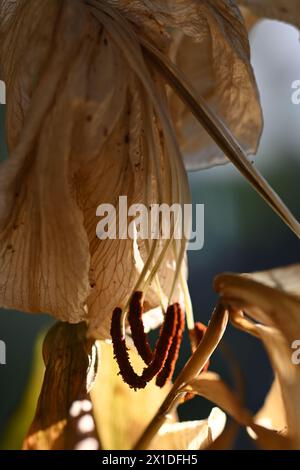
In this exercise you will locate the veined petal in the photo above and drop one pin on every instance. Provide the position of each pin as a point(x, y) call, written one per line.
point(44, 249)
point(212, 50)
point(208, 41)
point(87, 122)
point(133, 160)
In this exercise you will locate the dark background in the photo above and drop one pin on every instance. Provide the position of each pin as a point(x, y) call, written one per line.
point(241, 232)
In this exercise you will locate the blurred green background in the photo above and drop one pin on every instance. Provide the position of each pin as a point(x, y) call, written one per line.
point(241, 232)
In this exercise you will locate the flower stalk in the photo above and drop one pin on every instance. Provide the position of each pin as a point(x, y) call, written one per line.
point(191, 370)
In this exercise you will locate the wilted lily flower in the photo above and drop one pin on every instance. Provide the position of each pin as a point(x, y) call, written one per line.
point(104, 100)
point(88, 121)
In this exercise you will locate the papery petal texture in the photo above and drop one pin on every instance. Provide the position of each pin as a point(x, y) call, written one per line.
point(44, 248)
point(209, 44)
point(84, 127)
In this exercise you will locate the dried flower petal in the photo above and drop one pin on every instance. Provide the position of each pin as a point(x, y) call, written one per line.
point(272, 303)
point(190, 435)
point(81, 131)
point(213, 52)
point(43, 245)
point(210, 386)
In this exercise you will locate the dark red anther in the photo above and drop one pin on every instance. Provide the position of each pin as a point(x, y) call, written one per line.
point(121, 353)
point(135, 320)
point(168, 370)
point(166, 349)
point(163, 344)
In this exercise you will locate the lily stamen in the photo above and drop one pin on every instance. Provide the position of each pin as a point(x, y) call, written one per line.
point(164, 343)
point(135, 320)
point(121, 353)
point(163, 359)
point(168, 370)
